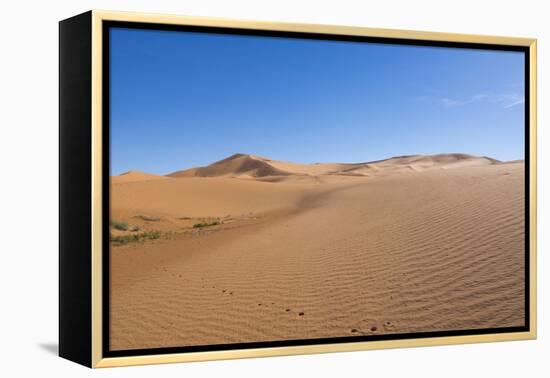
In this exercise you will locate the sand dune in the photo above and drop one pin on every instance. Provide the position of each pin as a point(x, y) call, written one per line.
point(135, 176)
point(244, 165)
point(426, 243)
point(238, 165)
point(420, 163)
point(199, 196)
point(252, 166)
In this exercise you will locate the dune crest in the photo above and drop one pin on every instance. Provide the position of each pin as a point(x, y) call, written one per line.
point(237, 165)
point(251, 166)
point(135, 176)
point(419, 163)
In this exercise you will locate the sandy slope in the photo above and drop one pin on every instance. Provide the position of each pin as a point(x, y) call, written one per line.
point(198, 196)
point(252, 166)
point(135, 176)
point(418, 250)
point(418, 163)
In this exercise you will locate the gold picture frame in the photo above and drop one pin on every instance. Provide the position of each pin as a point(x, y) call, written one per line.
point(89, 330)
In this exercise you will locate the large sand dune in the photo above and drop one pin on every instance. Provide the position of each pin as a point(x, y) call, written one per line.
point(243, 165)
point(408, 244)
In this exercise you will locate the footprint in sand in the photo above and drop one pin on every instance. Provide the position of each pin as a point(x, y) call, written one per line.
point(368, 326)
point(388, 325)
point(301, 313)
point(373, 326)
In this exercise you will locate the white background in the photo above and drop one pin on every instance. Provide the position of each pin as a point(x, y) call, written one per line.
point(29, 188)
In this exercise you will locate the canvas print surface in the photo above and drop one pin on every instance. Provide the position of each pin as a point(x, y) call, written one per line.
point(268, 189)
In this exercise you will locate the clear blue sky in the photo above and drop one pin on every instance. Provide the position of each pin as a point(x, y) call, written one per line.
point(180, 100)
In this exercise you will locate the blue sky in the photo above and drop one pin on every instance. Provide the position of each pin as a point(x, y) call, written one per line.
point(181, 99)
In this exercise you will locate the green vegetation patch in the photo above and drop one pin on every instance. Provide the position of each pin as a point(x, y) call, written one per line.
point(209, 223)
point(125, 239)
point(148, 218)
point(117, 225)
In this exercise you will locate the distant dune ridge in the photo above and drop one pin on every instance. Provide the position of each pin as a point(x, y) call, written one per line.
point(244, 165)
point(253, 249)
point(133, 176)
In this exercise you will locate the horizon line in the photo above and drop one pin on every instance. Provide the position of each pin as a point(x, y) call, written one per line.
point(240, 154)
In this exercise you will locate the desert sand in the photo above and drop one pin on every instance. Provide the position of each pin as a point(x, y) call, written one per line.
point(253, 249)
point(133, 176)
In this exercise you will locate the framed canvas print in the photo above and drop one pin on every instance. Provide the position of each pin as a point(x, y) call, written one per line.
point(235, 189)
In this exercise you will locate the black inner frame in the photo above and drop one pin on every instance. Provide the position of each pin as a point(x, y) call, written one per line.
point(107, 25)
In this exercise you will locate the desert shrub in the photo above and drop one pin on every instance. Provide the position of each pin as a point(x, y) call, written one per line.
point(118, 225)
point(150, 234)
point(207, 224)
point(148, 218)
point(125, 239)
